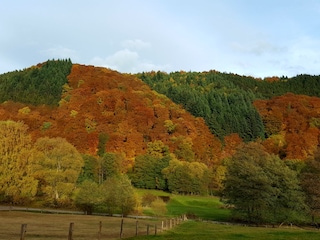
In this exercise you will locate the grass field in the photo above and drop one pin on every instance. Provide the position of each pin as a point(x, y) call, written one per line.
point(193, 230)
point(203, 207)
point(209, 208)
point(55, 226)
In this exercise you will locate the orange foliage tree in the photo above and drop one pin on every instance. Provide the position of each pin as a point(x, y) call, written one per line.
point(290, 122)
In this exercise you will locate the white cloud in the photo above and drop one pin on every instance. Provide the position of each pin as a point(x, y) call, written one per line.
point(120, 60)
point(128, 61)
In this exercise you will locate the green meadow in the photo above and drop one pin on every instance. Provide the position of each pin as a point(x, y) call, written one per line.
point(202, 211)
point(196, 207)
point(195, 230)
point(207, 208)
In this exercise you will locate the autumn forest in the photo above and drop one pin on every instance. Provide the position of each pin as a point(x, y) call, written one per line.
point(68, 129)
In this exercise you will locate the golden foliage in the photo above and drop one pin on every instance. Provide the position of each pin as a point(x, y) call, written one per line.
point(291, 122)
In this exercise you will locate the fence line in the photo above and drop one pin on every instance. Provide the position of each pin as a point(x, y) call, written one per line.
point(151, 229)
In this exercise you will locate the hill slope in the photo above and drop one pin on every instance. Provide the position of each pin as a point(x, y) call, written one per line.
point(255, 109)
point(225, 100)
point(101, 101)
point(81, 103)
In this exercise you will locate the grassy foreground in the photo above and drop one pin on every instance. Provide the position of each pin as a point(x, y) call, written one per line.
point(56, 226)
point(193, 230)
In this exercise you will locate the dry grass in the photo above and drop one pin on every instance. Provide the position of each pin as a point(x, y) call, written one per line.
point(56, 226)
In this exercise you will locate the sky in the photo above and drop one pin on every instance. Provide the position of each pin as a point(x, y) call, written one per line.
point(259, 38)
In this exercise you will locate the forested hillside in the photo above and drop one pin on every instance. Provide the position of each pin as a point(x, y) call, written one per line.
point(225, 100)
point(97, 102)
point(80, 103)
point(70, 131)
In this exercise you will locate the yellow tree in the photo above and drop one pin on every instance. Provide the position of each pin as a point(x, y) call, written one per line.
point(61, 165)
point(157, 149)
point(184, 151)
point(17, 163)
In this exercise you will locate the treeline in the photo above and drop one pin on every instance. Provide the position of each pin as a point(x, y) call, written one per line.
point(41, 84)
point(225, 100)
point(260, 187)
point(158, 168)
point(51, 171)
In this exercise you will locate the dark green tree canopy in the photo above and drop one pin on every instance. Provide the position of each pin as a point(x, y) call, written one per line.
point(262, 188)
point(37, 85)
point(310, 179)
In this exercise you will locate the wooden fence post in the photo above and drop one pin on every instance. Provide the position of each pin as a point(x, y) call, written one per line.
point(155, 229)
point(23, 231)
point(70, 231)
point(147, 229)
point(137, 227)
point(100, 228)
point(121, 228)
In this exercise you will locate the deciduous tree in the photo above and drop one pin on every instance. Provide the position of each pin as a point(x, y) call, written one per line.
point(61, 165)
point(90, 170)
point(147, 172)
point(310, 179)
point(17, 163)
point(262, 187)
point(187, 178)
point(118, 195)
point(88, 196)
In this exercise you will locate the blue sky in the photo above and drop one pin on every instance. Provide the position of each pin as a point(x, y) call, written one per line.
point(249, 37)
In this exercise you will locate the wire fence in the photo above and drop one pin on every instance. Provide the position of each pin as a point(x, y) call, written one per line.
point(127, 227)
point(64, 225)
